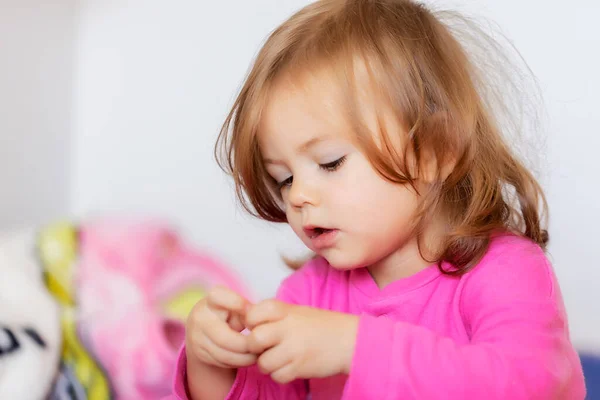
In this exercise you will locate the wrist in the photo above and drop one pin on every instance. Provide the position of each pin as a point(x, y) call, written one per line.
point(348, 342)
point(206, 381)
point(194, 365)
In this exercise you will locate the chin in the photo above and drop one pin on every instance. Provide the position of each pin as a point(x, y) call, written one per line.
point(339, 262)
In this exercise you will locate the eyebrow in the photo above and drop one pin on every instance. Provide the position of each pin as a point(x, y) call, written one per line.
point(302, 148)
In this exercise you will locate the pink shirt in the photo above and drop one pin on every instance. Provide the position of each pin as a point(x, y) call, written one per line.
point(498, 332)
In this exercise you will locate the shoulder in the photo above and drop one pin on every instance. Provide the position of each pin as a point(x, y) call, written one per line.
point(315, 276)
point(510, 247)
point(512, 256)
point(513, 269)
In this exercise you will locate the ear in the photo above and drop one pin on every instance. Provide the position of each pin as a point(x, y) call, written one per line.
point(437, 153)
point(435, 167)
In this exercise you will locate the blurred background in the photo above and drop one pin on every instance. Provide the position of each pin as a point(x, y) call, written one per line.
point(113, 106)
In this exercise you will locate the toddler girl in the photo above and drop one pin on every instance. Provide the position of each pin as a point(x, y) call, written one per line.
point(364, 125)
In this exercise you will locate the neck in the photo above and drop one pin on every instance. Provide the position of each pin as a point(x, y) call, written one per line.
point(398, 265)
point(404, 261)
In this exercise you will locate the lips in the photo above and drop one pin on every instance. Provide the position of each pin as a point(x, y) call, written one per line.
point(321, 237)
point(315, 231)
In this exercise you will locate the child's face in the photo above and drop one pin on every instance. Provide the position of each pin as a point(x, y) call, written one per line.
point(335, 201)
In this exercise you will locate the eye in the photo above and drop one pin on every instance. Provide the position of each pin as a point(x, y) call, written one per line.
point(284, 183)
point(332, 166)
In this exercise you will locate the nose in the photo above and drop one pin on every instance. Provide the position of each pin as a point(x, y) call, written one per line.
point(302, 193)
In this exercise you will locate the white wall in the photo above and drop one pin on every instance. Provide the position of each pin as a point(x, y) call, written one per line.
point(560, 43)
point(155, 79)
point(37, 62)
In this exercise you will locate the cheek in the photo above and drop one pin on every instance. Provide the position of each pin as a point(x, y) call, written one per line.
point(378, 204)
point(361, 186)
point(294, 220)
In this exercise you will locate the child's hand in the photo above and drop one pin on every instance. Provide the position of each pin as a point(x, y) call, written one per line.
point(213, 330)
point(300, 342)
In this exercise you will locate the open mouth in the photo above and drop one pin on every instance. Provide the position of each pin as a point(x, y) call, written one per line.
point(321, 238)
point(313, 233)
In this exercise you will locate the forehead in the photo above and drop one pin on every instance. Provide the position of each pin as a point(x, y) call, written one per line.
point(320, 103)
point(301, 109)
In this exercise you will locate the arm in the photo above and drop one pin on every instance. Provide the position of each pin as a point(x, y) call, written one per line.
point(245, 383)
point(214, 347)
point(519, 348)
point(208, 381)
point(188, 380)
point(250, 383)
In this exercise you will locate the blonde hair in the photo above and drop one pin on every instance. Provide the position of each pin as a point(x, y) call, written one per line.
point(434, 90)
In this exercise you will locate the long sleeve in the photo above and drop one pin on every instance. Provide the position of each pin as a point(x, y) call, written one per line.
point(250, 383)
point(519, 343)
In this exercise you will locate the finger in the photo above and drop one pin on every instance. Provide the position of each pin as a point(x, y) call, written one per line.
point(263, 337)
point(273, 360)
point(203, 321)
point(237, 322)
point(205, 357)
point(285, 374)
point(265, 311)
point(225, 299)
point(223, 336)
point(226, 357)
